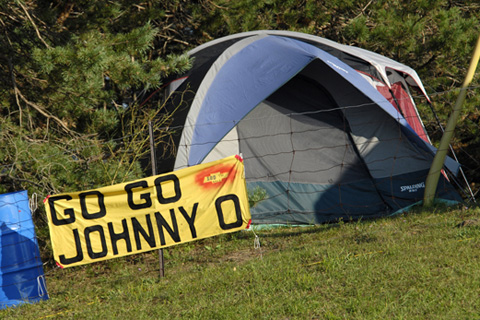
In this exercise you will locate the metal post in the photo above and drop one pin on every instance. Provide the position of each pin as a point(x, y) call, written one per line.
point(154, 172)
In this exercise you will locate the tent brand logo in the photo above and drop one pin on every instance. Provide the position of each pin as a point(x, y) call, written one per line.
point(413, 187)
point(215, 177)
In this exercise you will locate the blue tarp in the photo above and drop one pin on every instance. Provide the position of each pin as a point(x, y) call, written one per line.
point(21, 270)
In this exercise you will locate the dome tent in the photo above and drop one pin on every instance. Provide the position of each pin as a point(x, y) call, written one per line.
point(328, 131)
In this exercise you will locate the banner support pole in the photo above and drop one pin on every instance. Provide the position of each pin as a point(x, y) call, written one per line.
point(154, 173)
point(434, 174)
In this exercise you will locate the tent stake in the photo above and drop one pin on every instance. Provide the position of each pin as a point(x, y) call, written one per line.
point(437, 164)
point(154, 172)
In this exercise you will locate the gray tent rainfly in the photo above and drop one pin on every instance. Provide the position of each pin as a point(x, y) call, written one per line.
point(328, 131)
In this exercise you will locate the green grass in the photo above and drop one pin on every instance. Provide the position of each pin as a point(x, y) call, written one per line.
point(423, 265)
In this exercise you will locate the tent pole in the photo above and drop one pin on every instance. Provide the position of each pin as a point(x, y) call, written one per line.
point(154, 172)
point(437, 164)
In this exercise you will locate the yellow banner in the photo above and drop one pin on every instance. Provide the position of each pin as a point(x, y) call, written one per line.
point(156, 212)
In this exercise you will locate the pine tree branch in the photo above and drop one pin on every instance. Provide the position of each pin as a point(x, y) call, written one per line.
point(18, 95)
point(17, 179)
point(363, 10)
point(33, 23)
point(15, 89)
point(44, 113)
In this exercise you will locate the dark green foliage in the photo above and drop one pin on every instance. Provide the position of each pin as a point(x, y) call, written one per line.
point(74, 74)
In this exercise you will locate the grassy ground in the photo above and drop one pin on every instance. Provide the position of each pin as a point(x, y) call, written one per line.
point(423, 265)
